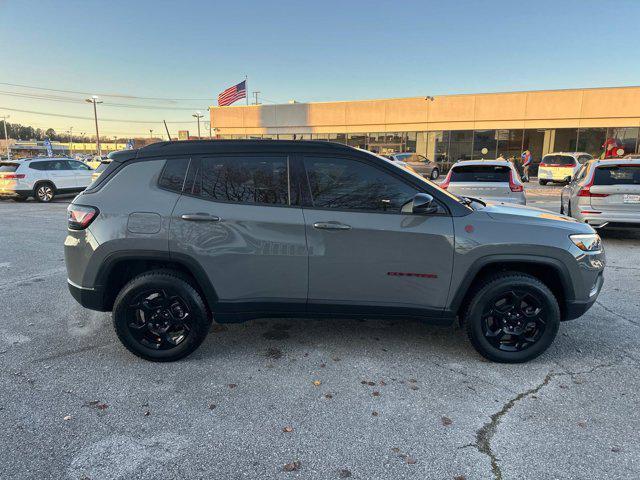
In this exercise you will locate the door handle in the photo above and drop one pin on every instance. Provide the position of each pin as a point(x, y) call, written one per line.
point(331, 226)
point(200, 217)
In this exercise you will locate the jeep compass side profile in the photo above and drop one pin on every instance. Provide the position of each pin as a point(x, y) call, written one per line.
point(177, 234)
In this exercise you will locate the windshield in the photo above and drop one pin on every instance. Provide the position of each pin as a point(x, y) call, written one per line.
point(480, 173)
point(421, 178)
point(563, 160)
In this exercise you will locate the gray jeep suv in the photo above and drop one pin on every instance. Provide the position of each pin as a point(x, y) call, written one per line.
point(177, 234)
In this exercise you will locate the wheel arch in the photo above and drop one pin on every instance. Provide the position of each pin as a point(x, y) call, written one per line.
point(550, 271)
point(120, 267)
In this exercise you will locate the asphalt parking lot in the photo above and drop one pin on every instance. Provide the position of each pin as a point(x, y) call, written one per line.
point(346, 399)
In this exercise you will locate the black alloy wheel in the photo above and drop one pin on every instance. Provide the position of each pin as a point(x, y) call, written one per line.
point(160, 316)
point(514, 320)
point(159, 319)
point(511, 317)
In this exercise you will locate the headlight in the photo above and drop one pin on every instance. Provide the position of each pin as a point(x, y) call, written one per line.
point(587, 242)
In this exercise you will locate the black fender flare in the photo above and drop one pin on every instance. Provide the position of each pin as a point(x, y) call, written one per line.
point(186, 261)
point(558, 266)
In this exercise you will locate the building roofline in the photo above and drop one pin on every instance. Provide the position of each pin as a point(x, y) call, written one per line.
point(512, 92)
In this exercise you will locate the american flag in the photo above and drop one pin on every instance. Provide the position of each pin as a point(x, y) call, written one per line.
point(233, 94)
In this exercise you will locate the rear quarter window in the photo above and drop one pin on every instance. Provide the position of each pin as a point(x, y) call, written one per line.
point(480, 173)
point(173, 174)
point(617, 175)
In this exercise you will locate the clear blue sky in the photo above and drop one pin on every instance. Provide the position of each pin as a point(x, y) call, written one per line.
point(308, 51)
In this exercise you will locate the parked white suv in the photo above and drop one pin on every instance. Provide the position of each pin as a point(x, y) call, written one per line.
point(43, 178)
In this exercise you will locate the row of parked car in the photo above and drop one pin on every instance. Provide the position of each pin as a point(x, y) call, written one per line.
point(45, 177)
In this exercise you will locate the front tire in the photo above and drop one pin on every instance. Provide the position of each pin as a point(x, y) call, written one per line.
point(160, 316)
point(542, 182)
point(44, 192)
point(512, 318)
point(20, 198)
point(435, 173)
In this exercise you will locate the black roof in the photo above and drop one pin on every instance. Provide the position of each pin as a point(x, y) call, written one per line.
point(193, 147)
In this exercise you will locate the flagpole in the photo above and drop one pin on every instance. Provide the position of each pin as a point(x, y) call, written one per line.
point(246, 90)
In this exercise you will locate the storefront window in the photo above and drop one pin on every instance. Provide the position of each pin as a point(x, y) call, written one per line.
point(338, 137)
point(302, 136)
point(566, 140)
point(594, 141)
point(509, 143)
point(410, 139)
point(285, 136)
point(533, 140)
point(460, 142)
point(625, 137)
point(439, 141)
point(484, 139)
point(320, 136)
point(358, 140)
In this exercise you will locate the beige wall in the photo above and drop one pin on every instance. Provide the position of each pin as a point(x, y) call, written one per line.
point(596, 107)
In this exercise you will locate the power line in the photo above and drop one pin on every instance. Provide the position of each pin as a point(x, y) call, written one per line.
point(107, 104)
point(90, 118)
point(116, 95)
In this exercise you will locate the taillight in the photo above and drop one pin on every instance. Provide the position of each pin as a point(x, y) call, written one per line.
point(13, 176)
point(543, 165)
point(585, 191)
point(80, 216)
point(444, 185)
point(515, 187)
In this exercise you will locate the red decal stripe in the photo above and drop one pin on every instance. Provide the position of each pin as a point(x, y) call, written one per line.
point(411, 274)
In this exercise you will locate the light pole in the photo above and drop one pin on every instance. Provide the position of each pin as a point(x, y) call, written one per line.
point(255, 95)
point(198, 115)
point(70, 141)
point(151, 133)
point(115, 141)
point(6, 138)
point(94, 100)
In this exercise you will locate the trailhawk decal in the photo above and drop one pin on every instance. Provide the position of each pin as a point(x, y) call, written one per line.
point(411, 274)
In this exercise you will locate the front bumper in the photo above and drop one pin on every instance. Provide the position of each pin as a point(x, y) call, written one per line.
point(577, 308)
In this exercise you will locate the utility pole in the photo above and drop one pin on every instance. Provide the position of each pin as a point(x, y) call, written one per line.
point(6, 138)
point(94, 99)
point(198, 115)
point(115, 141)
point(70, 141)
point(151, 133)
point(255, 95)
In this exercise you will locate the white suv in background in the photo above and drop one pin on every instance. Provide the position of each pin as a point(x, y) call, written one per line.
point(43, 178)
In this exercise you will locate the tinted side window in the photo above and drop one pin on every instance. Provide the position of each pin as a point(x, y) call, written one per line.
point(78, 165)
point(39, 165)
point(173, 174)
point(351, 185)
point(242, 179)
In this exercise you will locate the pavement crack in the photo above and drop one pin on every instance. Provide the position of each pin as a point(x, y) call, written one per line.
point(613, 312)
point(485, 434)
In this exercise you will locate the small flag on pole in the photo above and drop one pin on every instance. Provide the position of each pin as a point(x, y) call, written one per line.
point(233, 94)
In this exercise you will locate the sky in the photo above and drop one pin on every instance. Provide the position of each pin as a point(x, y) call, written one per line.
point(295, 50)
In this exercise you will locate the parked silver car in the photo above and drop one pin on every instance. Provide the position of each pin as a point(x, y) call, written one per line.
point(417, 163)
point(605, 193)
point(491, 180)
point(177, 234)
point(43, 178)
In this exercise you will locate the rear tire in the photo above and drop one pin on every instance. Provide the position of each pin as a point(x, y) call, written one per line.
point(435, 173)
point(542, 182)
point(20, 198)
point(44, 192)
point(160, 316)
point(512, 317)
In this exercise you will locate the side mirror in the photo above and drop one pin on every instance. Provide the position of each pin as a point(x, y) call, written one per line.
point(423, 204)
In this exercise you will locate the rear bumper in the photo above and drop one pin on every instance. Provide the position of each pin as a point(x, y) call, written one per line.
point(554, 175)
point(91, 298)
point(9, 192)
point(609, 219)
